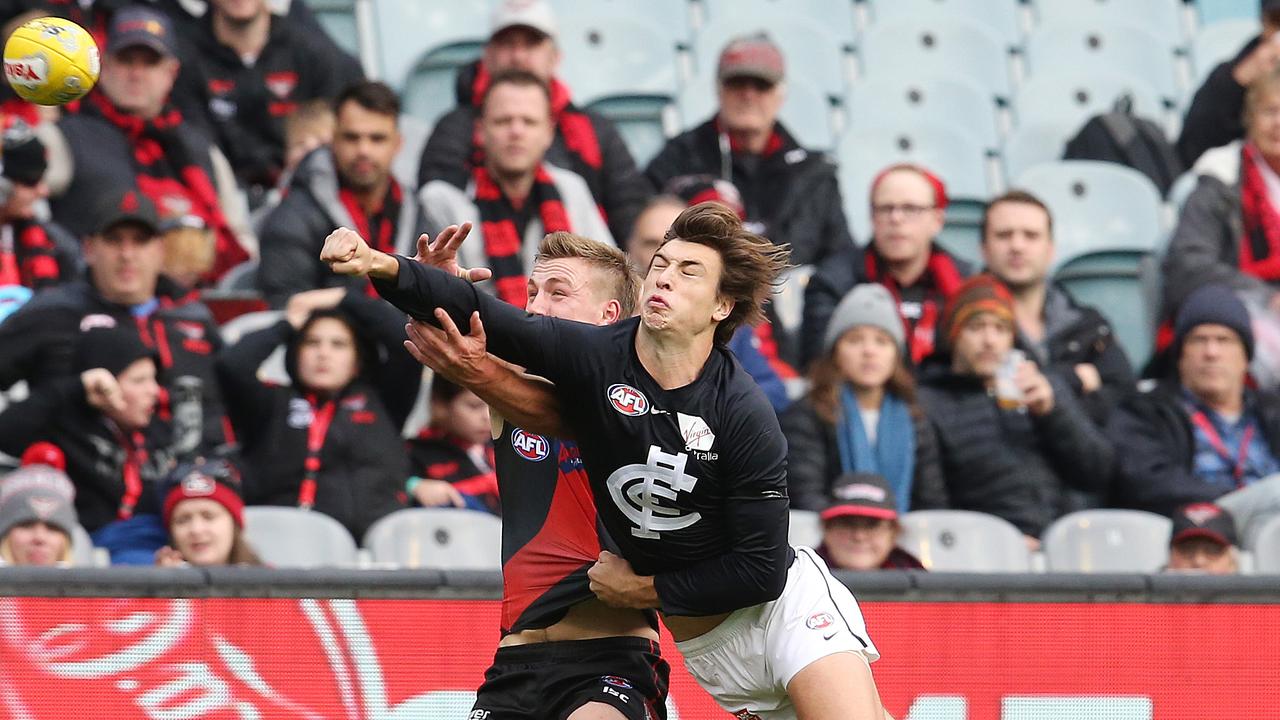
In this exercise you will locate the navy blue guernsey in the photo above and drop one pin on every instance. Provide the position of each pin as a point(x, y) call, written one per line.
point(689, 483)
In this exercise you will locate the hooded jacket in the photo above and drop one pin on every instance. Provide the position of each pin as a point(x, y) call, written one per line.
point(294, 231)
point(363, 463)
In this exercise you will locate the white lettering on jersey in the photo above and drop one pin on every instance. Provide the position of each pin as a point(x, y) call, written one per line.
point(637, 489)
point(697, 435)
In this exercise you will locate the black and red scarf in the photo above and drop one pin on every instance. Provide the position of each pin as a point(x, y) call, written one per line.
point(503, 240)
point(165, 169)
point(29, 260)
point(942, 277)
point(776, 143)
point(1260, 246)
point(379, 226)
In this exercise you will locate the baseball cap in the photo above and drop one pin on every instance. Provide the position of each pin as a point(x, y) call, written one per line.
point(127, 206)
point(37, 493)
point(135, 25)
point(535, 14)
point(861, 495)
point(1205, 520)
point(753, 56)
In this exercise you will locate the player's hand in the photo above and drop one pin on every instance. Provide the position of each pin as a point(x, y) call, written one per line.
point(459, 358)
point(347, 253)
point(301, 305)
point(1037, 393)
point(617, 585)
point(101, 390)
point(438, 493)
point(168, 557)
point(443, 253)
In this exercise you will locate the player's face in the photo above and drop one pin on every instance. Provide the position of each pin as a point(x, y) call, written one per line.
point(903, 217)
point(522, 48)
point(36, 543)
point(749, 105)
point(866, 356)
point(571, 289)
point(1201, 554)
point(125, 262)
point(1017, 247)
point(138, 79)
point(139, 391)
point(650, 232)
point(981, 345)
point(327, 359)
point(859, 543)
point(1213, 362)
point(681, 292)
point(516, 129)
point(203, 531)
point(364, 144)
point(466, 417)
point(22, 201)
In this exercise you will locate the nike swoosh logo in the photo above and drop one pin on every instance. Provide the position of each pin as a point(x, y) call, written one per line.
point(828, 637)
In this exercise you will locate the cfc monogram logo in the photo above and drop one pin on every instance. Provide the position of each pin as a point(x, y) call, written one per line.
point(639, 492)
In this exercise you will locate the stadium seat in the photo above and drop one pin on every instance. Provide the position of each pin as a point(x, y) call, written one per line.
point(1000, 16)
point(937, 46)
point(338, 18)
point(429, 91)
point(964, 541)
point(83, 553)
point(438, 538)
point(903, 99)
point(609, 55)
point(806, 110)
point(1266, 547)
point(1161, 17)
point(409, 30)
point(640, 120)
point(962, 239)
point(1067, 96)
point(957, 157)
point(1219, 42)
point(1036, 142)
point(1212, 11)
point(805, 528)
point(1104, 48)
point(834, 16)
point(296, 538)
point(1102, 541)
point(414, 132)
point(672, 15)
point(241, 277)
point(810, 49)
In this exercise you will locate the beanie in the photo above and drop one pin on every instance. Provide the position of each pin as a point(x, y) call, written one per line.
point(870, 305)
point(940, 199)
point(216, 480)
point(113, 349)
point(37, 493)
point(979, 294)
point(22, 155)
point(1213, 305)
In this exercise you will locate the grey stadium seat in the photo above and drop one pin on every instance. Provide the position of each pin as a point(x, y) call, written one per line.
point(295, 538)
point(964, 541)
point(1161, 17)
point(1000, 16)
point(1118, 541)
point(438, 538)
point(907, 99)
point(937, 46)
point(1103, 48)
point(1070, 96)
point(805, 528)
point(1266, 547)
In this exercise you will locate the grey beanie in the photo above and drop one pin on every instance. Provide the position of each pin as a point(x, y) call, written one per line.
point(37, 492)
point(866, 304)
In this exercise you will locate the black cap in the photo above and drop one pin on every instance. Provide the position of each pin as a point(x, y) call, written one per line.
point(22, 155)
point(129, 206)
point(136, 25)
point(111, 348)
point(1214, 305)
point(1205, 520)
point(863, 495)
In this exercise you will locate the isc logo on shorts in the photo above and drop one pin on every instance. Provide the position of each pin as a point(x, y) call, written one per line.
point(819, 620)
point(531, 447)
point(627, 400)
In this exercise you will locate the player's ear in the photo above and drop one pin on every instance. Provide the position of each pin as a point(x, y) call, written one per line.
point(723, 309)
point(612, 312)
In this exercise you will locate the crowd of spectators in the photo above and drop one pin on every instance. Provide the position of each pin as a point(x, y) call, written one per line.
point(913, 381)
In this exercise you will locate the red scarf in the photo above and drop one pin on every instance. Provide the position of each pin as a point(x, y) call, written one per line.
point(29, 258)
point(502, 239)
point(1260, 246)
point(774, 144)
point(378, 228)
point(941, 273)
point(165, 171)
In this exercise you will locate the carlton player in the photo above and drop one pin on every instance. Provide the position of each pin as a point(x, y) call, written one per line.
point(563, 653)
point(688, 465)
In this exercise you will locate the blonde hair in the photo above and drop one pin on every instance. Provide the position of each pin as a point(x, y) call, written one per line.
point(624, 281)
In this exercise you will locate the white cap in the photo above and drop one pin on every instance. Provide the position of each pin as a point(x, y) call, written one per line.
point(536, 14)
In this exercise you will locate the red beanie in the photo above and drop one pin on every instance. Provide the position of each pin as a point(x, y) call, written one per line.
point(198, 484)
point(940, 199)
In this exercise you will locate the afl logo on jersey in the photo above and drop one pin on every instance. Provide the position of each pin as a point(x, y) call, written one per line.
point(531, 447)
point(628, 400)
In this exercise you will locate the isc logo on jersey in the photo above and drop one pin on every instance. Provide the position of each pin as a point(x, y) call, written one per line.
point(531, 447)
point(627, 400)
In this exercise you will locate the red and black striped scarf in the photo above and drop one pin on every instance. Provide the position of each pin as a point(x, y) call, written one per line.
point(503, 240)
point(378, 227)
point(164, 171)
point(28, 258)
point(775, 144)
point(1260, 246)
point(942, 277)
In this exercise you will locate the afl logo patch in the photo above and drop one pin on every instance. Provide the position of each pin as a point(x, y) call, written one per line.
point(819, 620)
point(627, 400)
point(530, 447)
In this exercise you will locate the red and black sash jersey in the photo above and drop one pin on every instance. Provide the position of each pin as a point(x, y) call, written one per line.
point(438, 456)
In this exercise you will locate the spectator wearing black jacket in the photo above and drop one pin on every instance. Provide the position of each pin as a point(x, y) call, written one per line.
point(124, 288)
point(331, 440)
point(453, 457)
point(29, 253)
point(908, 207)
point(1016, 461)
point(246, 71)
point(523, 37)
point(349, 185)
point(791, 194)
point(1070, 342)
point(1201, 432)
point(1213, 118)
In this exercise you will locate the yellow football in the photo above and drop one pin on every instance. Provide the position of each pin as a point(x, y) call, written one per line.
point(51, 61)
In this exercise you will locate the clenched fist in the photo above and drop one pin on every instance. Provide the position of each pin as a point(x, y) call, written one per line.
point(347, 253)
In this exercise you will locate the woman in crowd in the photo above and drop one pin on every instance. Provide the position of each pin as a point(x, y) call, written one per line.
point(204, 514)
point(860, 527)
point(37, 517)
point(331, 440)
point(860, 413)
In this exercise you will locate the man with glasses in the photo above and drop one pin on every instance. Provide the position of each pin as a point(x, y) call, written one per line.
point(908, 207)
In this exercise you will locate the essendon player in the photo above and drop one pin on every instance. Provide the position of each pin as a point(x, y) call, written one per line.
point(564, 653)
point(687, 462)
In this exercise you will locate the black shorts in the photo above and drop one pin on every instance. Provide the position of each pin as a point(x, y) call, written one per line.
point(548, 681)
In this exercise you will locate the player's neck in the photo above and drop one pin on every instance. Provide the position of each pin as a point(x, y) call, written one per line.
point(246, 38)
point(672, 362)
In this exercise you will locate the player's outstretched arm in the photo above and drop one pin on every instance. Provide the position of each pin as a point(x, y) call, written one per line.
point(346, 253)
